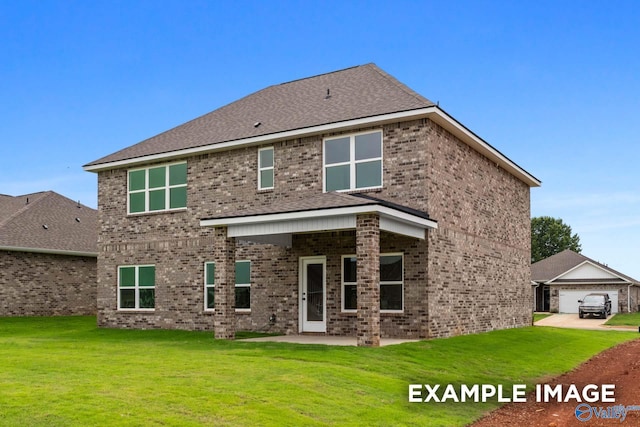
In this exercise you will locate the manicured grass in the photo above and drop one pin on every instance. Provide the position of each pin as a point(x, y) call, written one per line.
point(624, 319)
point(66, 372)
point(539, 316)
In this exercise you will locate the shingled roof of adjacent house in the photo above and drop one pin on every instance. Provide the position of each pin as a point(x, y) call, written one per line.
point(47, 222)
point(349, 94)
point(555, 265)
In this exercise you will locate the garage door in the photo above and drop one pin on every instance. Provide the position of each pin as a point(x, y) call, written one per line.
point(569, 299)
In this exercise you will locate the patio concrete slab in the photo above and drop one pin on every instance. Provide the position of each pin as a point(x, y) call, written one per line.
point(324, 340)
point(573, 321)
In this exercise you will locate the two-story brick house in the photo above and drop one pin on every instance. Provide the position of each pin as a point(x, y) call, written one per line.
point(344, 204)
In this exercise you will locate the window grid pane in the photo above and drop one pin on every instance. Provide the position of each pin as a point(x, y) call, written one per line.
point(369, 174)
point(266, 178)
point(337, 150)
point(158, 188)
point(178, 174)
point(266, 158)
point(156, 200)
point(243, 297)
point(368, 146)
point(243, 272)
point(157, 177)
point(338, 178)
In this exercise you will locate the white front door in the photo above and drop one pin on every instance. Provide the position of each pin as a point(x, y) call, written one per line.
point(313, 307)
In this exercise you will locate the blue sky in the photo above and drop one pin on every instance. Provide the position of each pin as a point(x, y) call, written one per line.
point(555, 85)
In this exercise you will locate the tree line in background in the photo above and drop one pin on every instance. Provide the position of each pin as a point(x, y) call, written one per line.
point(550, 236)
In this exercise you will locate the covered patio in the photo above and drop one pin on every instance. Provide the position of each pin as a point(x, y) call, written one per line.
point(327, 212)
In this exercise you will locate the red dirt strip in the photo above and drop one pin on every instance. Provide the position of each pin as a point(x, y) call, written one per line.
point(619, 365)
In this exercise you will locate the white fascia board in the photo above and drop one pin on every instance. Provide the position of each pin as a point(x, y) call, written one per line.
point(382, 210)
point(262, 139)
point(458, 129)
point(434, 113)
point(48, 251)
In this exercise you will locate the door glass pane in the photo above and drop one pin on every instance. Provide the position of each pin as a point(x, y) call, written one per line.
point(337, 151)
point(338, 178)
point(369, 174)
point(368, 146)
point(315, 293)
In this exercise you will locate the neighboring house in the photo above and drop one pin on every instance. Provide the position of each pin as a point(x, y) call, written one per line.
point(564, 278)
point(48, 251)
point(341, 204)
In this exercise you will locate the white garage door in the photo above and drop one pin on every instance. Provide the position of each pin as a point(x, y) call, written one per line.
point(569, 299)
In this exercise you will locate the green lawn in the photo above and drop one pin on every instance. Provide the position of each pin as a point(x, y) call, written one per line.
point(66, 372)
point(624, 319)
point(539, 316)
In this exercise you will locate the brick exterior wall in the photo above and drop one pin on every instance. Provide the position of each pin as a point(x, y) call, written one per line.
point(470, 275)
point(34, 284)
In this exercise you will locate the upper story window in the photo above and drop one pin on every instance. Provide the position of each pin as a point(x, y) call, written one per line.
point(158, 188)
point(265, 168)
point(353, 162)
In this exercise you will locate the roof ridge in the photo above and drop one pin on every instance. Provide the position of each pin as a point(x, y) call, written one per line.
point(322, 74)
point(27, 205)
point(406, 89)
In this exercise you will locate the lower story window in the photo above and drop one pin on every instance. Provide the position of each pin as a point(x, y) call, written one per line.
point(391, 283)
point(137, 287)
point(242, 286)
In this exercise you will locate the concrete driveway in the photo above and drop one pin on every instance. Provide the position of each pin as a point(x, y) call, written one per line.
point(574, 322)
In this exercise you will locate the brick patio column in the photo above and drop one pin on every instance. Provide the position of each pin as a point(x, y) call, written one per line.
point(224, 318)
point(368, 268)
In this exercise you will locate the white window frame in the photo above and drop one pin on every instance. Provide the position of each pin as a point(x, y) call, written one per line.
point(207, 286)
point(136, 288)
point(244, 285)
point(352, 161)
point(401, 282)
point(267, 168)
point(167, 187)
point(395, 282)
point(342, 300)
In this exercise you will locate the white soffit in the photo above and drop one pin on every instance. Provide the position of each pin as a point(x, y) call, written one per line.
point(321, 220)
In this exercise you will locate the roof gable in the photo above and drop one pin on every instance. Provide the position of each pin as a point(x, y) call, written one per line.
point(47, 222)
point(569, 266)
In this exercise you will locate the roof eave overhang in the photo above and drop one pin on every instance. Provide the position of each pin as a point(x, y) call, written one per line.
point(318, 214)
point(434, 113)
point(49, 251)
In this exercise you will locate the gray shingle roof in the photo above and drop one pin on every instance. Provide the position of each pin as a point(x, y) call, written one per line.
point(318, 203)
point(549, 268)
point(69, 226)
point(353, 93)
